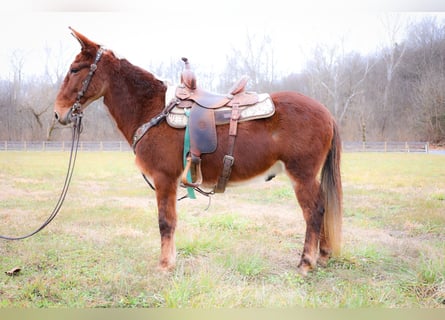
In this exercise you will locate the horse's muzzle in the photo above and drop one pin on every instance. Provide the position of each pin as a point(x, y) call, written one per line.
point(67, 119)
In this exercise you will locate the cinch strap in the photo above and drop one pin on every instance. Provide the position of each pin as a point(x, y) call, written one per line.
point(190, 191)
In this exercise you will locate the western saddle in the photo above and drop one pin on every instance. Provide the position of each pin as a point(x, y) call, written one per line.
point(205, 110)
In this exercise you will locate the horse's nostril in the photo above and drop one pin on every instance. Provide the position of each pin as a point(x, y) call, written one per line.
point(56, 115)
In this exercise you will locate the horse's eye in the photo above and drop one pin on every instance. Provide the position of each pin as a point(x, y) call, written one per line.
point(74, 70)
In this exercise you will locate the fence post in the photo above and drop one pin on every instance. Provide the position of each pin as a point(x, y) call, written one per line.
point(427, 147)
point(386, 146)
point(406, 146)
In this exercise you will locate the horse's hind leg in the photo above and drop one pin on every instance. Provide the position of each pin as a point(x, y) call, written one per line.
point(309, 198)
point(325, 248)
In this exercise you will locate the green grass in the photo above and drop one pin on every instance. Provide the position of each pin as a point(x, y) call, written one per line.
point(102, 249)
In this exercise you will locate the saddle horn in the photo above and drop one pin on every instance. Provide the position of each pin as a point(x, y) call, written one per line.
point(188, 77)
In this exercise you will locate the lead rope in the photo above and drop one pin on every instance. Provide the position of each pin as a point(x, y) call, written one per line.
point(77, 129)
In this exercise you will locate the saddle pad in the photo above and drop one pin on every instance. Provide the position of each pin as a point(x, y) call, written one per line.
point(264, 108)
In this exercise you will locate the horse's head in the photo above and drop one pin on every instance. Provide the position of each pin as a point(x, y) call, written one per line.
point(84, 82)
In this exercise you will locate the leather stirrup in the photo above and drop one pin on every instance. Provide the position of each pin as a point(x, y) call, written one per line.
point(194, 167)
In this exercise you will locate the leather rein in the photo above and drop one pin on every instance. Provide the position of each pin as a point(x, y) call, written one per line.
point(75, 116)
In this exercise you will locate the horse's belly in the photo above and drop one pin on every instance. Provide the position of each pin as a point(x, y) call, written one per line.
point(268, 175)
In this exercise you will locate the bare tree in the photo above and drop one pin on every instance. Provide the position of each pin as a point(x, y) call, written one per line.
point(339, 77)
point(256, 59)
point(169, 71)
point(56, 64)
point(427, 62)
point(13, 88)
point(392, 54)
point(429, 100)
point(18, 58)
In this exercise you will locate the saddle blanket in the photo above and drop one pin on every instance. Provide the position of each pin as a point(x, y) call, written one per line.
point(264, 108)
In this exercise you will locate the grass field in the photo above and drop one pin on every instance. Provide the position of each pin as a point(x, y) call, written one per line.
point(103, 248)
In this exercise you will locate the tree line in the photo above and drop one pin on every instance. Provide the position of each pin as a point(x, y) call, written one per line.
point(396, 93)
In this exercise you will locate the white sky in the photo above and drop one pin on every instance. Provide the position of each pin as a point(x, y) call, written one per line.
point(203, 30)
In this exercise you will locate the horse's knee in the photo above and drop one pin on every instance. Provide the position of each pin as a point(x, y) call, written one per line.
point(165, 228)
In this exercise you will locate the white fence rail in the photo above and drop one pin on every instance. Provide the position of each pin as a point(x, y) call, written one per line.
point(63, 146)
point(122, 146)
point(386, 146)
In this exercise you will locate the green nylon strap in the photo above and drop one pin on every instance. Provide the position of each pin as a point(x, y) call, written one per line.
point(190, 191)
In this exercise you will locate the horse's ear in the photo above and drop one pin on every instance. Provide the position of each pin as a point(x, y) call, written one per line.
point(85, 43)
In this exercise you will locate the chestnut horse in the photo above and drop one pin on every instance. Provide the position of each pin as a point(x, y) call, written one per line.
point(301, 137)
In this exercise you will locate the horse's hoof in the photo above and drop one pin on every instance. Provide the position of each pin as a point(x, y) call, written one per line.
point(165, 267)
point(306, 265)
point(323, 262)
point(304, 269)
point(302, 272)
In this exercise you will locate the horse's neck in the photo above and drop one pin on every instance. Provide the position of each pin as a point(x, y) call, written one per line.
point(134, 97)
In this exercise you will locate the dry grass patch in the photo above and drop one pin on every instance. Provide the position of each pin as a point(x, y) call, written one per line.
point(103, 248)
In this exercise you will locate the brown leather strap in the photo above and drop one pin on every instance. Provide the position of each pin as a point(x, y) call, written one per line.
point(228, 158)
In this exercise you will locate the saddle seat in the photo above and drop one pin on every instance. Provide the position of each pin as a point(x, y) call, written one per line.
point(188, 90)
point(201, 107)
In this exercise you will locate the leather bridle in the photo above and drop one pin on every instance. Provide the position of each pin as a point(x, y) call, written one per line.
point(76, 109)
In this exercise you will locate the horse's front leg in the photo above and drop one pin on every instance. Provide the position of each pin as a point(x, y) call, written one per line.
point(166, 200)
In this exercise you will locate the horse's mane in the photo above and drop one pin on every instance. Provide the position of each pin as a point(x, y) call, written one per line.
point(139, 77)
point(138, 73)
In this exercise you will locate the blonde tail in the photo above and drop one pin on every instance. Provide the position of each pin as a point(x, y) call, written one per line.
point(333, 194)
